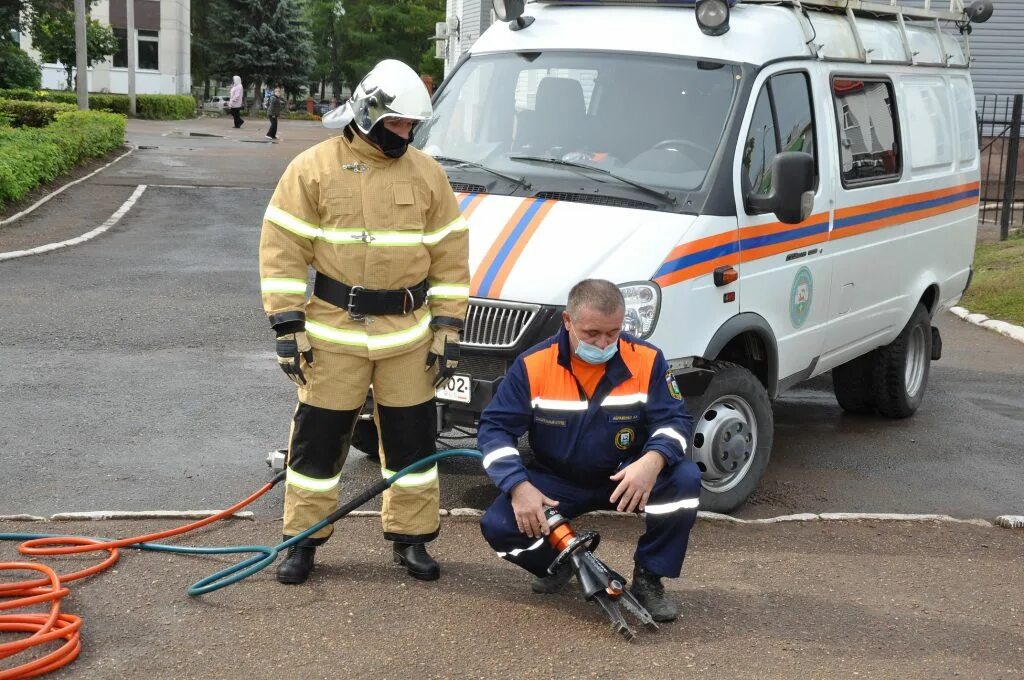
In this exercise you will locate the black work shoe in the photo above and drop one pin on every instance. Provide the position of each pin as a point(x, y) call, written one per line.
point(551, 584)
point(649, 591)
point(417, 561)
point(298, 562)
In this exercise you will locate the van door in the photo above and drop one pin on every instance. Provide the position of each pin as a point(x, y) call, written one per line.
point(867, 236)
point(784, 272)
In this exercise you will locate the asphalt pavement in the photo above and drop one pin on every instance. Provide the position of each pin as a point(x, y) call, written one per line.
point(800, 600)
point(138, 369)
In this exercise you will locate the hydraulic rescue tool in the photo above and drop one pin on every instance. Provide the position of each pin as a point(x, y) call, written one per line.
point(599, 583)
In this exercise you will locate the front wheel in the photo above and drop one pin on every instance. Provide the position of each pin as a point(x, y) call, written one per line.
point(732, 436)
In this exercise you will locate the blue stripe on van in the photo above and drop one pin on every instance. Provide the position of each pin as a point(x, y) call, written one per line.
point(506, 248)
point(696, 258)
point(901, 209)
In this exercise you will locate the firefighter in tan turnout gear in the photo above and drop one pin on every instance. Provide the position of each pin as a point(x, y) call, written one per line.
point(379, 224)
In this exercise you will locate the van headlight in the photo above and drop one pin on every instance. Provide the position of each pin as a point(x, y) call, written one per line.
point(643, 303)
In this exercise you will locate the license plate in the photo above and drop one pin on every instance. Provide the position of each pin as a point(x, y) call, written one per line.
point(456, 388)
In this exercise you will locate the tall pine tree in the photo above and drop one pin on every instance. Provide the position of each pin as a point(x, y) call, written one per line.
point(263, 41)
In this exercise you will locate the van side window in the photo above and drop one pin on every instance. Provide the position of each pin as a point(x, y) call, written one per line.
point(868, 132)
point(761, 147)
point(782, 121)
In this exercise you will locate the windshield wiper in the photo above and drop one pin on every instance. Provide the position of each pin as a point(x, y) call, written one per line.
point(518, 181)
point(663, 195)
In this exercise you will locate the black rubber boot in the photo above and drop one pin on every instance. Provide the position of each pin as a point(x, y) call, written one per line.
point(417, 561)
point(649, 591)
point(551, 584)
point(298, 563)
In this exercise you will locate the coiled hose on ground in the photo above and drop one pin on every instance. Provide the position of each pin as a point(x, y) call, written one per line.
point(56, 625)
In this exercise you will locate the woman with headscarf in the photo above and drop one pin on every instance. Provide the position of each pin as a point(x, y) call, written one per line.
point(235, 101)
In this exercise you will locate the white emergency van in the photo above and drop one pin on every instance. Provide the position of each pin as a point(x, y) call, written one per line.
point(780, 188)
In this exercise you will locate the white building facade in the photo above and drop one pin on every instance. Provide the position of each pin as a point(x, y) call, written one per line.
point(162, 45)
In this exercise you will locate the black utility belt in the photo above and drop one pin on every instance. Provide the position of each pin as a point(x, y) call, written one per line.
point(359, 301)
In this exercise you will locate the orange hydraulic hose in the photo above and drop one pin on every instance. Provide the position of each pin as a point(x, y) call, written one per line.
point(45, 628)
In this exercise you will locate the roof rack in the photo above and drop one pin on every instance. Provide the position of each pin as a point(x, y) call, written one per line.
point(953, 10)
point(878, 10)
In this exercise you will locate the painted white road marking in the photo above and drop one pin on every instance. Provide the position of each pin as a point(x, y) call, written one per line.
point(111, 221)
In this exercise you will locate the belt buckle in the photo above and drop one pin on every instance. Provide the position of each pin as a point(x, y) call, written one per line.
point(411, 299)
point(352, 314)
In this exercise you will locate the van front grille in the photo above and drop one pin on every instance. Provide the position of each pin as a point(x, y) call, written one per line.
point(496, 324)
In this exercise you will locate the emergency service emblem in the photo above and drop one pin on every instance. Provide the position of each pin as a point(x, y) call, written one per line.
point(624, 438)
point(800, 297)
point(673, 388)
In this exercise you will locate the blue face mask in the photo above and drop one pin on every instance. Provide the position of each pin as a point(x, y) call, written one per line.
point(593, 354)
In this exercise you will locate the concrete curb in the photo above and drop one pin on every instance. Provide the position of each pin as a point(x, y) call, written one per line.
point(143, 514)
point(47, 197)
point(1010, 330)
point(1011, 521)
point(110, 222)
point(1006, 521)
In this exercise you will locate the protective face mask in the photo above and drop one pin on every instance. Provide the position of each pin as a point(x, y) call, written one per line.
point(391, 144)
point(592, 354)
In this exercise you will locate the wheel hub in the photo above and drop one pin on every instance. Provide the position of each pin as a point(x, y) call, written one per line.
point(724, 441)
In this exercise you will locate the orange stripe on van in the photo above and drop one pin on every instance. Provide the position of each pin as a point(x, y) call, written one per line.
point(510, 261)
point(496, 245)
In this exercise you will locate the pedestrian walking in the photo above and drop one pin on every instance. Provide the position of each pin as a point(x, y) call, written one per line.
point(274, 108)
point(235, 101)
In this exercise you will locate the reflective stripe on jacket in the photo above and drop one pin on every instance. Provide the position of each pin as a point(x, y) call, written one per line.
point(635, 409)
point(347, 210)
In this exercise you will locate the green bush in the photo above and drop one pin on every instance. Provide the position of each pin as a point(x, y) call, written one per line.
point(31, 156)
point(151, 106)
point(165, 106)
point(6, 120)
point(32, 114)
point(17, 69)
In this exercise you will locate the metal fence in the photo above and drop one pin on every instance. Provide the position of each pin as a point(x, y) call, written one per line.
point(1002, 177)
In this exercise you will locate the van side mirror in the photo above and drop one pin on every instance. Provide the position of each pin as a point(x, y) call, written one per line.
point(792, 195)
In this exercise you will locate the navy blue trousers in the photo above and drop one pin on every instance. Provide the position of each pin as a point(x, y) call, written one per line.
point(660, 550)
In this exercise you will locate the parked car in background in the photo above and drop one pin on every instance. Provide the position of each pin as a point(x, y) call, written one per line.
point(218, 104)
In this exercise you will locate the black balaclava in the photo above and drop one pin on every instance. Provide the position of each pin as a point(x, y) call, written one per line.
point(391, 144)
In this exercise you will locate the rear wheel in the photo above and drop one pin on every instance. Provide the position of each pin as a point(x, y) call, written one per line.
point(901, 369)
point(891, 379)
point(732, 436)
point(852, 384)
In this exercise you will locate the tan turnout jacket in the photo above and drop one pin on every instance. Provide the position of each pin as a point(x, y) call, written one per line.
point(347, 210)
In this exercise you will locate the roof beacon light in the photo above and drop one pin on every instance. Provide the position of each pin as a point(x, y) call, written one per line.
point(512, 12)
point(712, 16)
point(979, 11)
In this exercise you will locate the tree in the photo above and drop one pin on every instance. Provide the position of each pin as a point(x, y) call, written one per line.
point(53, 34)
point(17, 69)
point(11, 12)
point(372, 30)
point(203, 55)
point(324, 18)
point(263, 41)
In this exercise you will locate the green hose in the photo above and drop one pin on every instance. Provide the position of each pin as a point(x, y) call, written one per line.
point(265, 555)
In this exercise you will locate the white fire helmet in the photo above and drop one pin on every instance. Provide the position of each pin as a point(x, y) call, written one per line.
point(390, 90)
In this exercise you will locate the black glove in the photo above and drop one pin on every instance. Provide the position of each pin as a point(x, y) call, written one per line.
point(445, 352)
point(292, 348)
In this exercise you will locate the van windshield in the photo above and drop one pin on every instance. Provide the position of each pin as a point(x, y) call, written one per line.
point(644, 119)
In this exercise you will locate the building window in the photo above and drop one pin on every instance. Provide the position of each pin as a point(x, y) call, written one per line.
point(149, 50)
point(121, 56)
point(869, 134)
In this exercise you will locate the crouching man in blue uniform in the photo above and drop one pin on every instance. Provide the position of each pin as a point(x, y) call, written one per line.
point(608, 428)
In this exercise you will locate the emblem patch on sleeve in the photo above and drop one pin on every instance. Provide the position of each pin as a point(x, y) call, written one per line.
point(673, 388)
point(624, 438)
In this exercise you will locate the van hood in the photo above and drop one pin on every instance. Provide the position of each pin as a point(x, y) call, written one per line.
point(536, 250)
